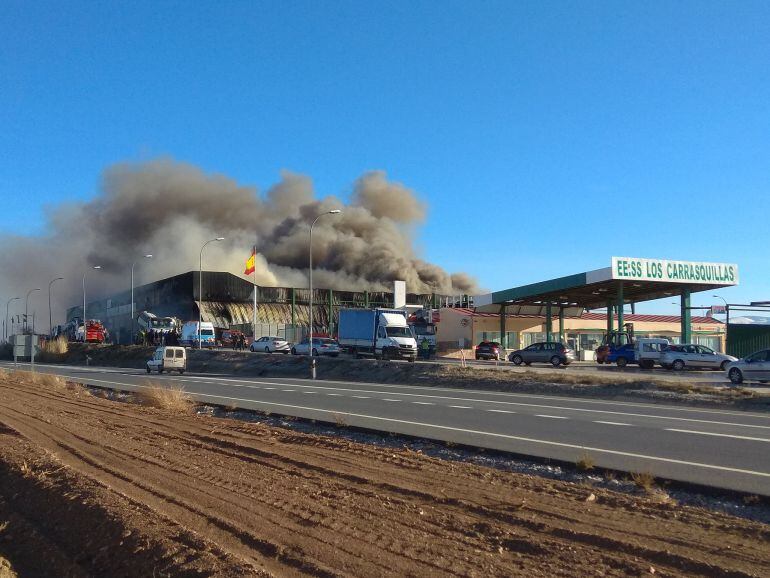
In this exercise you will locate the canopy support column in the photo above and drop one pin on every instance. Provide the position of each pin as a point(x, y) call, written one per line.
point(561, 324)
point(548, 322)
point(686, 317)
point(609, 317)
point(503, 334)
point(620, 306)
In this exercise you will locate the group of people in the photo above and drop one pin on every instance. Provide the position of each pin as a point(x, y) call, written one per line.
point(239, 342)
point(154, 337)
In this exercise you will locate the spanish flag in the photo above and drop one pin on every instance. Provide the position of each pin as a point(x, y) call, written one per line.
point(250, 264)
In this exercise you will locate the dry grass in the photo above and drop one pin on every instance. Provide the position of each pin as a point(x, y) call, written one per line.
point(174, 399)
point(643, 480)
point(339, 420)
point(58, 346)
point(585, 463)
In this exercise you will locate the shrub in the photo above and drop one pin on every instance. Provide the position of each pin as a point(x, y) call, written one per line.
point(585, 463)
point(643, 480)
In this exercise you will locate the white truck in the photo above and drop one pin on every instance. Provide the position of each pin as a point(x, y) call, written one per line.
point(191, 337)
point(381, 333)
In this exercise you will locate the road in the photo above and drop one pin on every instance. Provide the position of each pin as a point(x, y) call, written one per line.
point(720, 448)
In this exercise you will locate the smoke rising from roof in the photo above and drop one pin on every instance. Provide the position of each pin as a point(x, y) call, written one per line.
point(170, 209)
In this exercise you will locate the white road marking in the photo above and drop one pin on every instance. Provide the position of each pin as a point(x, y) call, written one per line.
point(309, 392)
point(268, 388)
point(361, 396)
point(423, 403)
point(708, 433)
point(501, 411)
point(476, 432)
point(612, 423)
point(289, 390)
point(334, 394)
point(386, 399)
point(551, 416)
point(461, 406)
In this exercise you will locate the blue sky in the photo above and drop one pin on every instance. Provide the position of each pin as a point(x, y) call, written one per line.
point(544, 136)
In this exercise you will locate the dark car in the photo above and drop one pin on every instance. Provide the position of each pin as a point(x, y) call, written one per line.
point(551, 352)
point(488, 350)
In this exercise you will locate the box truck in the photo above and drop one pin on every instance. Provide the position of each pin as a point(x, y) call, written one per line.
point(382, 333)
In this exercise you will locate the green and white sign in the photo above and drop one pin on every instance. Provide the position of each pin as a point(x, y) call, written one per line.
point(635, 269)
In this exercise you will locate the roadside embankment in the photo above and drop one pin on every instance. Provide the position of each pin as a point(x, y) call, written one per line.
point(554, 382)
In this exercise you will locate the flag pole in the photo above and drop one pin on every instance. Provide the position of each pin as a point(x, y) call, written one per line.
point(255, 292)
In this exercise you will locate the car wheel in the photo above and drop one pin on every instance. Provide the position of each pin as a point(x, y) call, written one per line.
point(556, 361)
point(517, 360)
point(148, 369)
point(293, 351)
point(181, 372)
point(600, 361)
point(622, 361)
point(160, 370)
point(267, 349)
point(477, 358)
point(315, 352)
point(678, 365)
point(736, 376)
point(724, 365)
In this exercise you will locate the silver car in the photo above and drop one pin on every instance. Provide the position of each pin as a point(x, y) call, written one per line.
point(752, 367)
point(321, 346)
point(679, 357)
point(270, 345)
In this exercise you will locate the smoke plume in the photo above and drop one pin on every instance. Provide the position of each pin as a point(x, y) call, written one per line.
point(169, 209)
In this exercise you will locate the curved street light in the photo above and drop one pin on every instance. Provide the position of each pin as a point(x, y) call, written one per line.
point(7, 306)
point(26, 308)
point(200, 289)
point(50, 315)
point(148, 256)
point(310, 327)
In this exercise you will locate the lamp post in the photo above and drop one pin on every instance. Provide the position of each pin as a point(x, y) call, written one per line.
point(50, 315)
point(310, 271)
point(26, 308)
point(7, 306)
point(200, 289)
point(85, 333)
point(132, 295)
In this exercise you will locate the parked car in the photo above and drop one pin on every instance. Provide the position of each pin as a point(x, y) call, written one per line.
point(321, 346)
point(752, 367)
point(679, 357)
point(551, 352)
point(488, 350)
point(168, 359)
point(645, 351)
point(270, 345)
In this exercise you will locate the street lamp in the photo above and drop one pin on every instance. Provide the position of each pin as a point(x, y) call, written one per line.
point(132, 295)
point(200, 289)
point(310, 335)
point(7, 305)
point(85, 333)
point(50, 315)
point(26, 307)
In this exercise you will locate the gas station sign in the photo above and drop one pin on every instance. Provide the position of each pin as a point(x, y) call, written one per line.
point(636, 269)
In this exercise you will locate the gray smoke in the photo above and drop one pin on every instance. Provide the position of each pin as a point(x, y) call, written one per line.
point(170, 209)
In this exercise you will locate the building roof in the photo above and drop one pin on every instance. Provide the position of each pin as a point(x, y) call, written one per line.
point(630, 278)
point(628, 317)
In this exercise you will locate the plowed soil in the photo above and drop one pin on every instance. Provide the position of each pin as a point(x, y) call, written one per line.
point(90, 486)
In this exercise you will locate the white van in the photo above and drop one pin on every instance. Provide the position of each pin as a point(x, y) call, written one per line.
point(189, 335)
point(648, 351)
point(168, 359)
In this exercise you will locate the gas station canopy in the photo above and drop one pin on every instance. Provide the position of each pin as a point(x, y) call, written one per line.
point(627, 280)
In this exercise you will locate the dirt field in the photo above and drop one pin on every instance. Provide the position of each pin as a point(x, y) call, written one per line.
point(90, 486)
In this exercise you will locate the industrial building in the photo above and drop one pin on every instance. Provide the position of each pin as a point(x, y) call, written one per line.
point(227, 301)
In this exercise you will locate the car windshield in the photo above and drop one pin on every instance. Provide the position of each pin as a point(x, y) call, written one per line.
point(399, 332)
point(208, 332)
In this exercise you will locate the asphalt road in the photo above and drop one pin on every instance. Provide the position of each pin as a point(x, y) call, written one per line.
point(719, 448)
